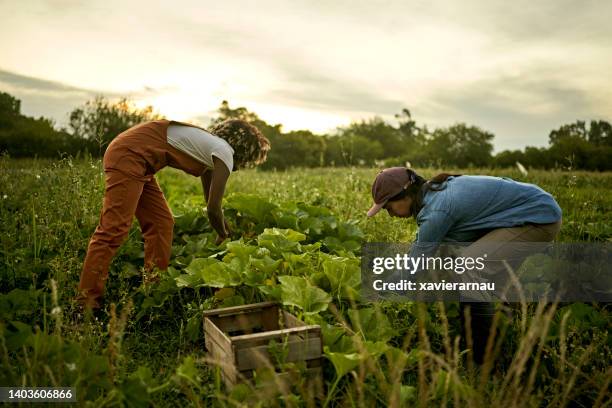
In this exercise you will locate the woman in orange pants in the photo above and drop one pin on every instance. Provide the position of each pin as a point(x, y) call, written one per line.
point(130, 162)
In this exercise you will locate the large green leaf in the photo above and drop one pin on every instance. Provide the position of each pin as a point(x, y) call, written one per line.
point(157, 295)
point(348, 231)
point(199, 264)
point(376, 349)
point(312, 210)
point(272, 292)
point(266, 264)
point(340, 247)
point(252, 206)
point(249, 274)
point(337, 339)
point(295, 260)
point(344, 276)
point(201, 245)
point(396, 355)
point(279, 240)
point(372, 324)
point(211, 272)
point(286, 221)
point(221, 275)
point(343, 362)
point(194, 277)
point(312, 225)
point(240, 249)
point(189, 281)
point(346, 362)
point(191, 222)
point(238, 263)
point(282, 235)
point(297, 291)
point(187, 372)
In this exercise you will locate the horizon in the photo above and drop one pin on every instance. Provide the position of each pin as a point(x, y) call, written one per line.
point(517, 71)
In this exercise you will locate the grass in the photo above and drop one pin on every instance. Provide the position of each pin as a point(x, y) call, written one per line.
point(547, 354)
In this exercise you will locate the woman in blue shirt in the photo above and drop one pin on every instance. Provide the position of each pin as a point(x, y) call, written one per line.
point(470, 209)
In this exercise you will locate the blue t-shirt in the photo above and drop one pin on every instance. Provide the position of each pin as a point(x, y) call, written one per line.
point(468, 205)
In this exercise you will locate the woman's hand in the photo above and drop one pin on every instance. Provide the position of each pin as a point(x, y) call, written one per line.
point(228, 231)
point(219, 240)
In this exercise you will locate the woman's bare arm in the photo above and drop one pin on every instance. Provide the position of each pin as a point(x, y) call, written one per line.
point(213, 184)
point(206, 179)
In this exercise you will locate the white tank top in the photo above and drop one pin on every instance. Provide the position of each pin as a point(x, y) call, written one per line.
point(201, 145)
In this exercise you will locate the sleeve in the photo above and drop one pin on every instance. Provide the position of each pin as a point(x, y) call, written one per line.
point(225, 155)
point(431, 232)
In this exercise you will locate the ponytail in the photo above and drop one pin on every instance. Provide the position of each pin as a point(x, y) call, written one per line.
point(439, 179)
point(418, 187)
point(421, 189)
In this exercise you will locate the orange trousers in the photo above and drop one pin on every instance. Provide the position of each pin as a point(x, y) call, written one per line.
point(124, 198)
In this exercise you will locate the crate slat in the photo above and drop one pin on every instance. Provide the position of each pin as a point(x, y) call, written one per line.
point(226, 311)
point(257, 338)
point(224, 362)
point(291, 321)
point(213, 333)
point(300, 350)
point(239, 356)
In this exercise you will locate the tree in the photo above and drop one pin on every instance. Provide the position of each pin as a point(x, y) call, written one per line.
point(572, 130)
point(600, 133)
point(272, 132)
point(100, 120)
point(461, 145)
point(24, 136)
point(388, 140)
point(508, 158)
point(571, 151)
point(224, 112)
point(413, 137)
point(351, 150)
point(537, 157)
point(297, 148)
point(9, 109)
point(581, 146)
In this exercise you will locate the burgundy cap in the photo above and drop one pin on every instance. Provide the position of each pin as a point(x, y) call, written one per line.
point(388, 183)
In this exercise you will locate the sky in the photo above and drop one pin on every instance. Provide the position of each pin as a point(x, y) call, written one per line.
point(517, 69)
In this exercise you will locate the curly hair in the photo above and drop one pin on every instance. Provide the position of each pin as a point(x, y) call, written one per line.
point(250, 146)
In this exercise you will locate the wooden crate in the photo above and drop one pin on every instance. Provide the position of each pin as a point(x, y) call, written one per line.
point(243, 339)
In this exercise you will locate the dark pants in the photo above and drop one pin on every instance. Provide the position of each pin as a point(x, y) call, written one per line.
point(481, 318)
point(482, 313)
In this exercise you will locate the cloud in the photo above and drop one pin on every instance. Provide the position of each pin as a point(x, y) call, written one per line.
point(37, 85)
point(519, 110)
point(516, 68)
point(305, 87)
point(53, 99)
point(40, 97)
point(562, 20)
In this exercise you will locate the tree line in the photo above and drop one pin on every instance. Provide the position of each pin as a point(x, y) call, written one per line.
point(92, 126)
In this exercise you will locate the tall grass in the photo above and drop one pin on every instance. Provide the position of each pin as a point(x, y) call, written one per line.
point(542, 356)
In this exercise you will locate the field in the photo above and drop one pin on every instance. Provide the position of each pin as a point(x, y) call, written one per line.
point(146, 348)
